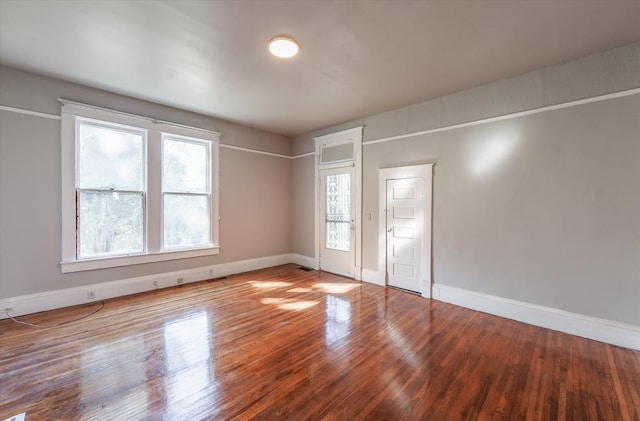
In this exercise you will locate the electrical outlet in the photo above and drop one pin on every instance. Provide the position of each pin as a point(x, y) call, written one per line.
point(91, 295)
point(180, 280)
point(155, 284)
point(210, 272)
point(7, 310)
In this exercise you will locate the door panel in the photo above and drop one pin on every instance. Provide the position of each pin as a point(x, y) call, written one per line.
point(337, 227)
point(405, 215)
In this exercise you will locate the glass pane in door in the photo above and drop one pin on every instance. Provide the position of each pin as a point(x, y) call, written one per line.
point(338, 212)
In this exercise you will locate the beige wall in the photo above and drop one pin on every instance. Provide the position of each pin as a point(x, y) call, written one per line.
point(553, 220)
point(556, 220)
point(255, 190)
point(303, 205)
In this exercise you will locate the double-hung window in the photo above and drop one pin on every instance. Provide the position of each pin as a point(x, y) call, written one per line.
point(186, 192)
point(110, 189)
point(135, 190)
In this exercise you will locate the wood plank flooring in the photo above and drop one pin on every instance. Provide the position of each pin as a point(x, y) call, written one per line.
point(282, 343)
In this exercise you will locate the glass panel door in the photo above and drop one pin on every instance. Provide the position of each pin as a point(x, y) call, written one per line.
point(337, 225)
point(338, 212)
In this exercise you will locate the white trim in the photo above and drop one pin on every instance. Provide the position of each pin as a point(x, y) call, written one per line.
point(91, 111)
point(302, 155)
point(50, 300)
point(509, 116)
point(29, 112)
point(353, 135)
point(616, 333)
point(173, 125)
point(111, 262)
point(238, 148)
point(72, 113)
point(307, 261)
point(375, 277)
point(424, 171)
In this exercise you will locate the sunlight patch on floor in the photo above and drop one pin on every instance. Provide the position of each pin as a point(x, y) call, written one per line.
point(332, 288)
point(289, 303)
point(299, 289)
point(269, 284)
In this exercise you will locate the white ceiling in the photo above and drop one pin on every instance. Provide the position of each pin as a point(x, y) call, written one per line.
point(358, 57)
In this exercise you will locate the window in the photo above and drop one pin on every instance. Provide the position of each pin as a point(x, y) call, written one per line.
point(110, 189)
point(186, 193)
point(135, 190)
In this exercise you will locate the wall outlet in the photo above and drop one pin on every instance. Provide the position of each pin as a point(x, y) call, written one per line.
point(155, 284)
point(180, 280)
point(91, 295)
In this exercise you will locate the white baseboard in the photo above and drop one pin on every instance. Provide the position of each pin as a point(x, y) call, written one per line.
point(602, 330)
point(310, 262)
point(50, 300)
point(373, 277)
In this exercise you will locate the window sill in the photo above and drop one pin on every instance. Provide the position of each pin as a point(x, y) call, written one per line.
point(112, 262)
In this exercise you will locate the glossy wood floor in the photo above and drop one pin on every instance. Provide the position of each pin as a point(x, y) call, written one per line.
point(283, 343)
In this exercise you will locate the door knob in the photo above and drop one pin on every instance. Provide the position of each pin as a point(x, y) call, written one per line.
point(390, 229)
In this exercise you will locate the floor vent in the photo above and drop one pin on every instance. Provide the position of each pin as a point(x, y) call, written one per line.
point(404, 290)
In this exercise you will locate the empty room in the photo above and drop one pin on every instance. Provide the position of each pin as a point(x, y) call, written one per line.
point(319, 210)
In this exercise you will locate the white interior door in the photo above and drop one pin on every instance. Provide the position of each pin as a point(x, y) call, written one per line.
point(405, 231)
point(337, 226)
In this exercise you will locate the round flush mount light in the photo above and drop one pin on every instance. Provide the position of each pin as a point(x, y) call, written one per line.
point(283, 47)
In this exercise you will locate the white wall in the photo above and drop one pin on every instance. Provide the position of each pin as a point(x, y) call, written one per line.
point(556, 220)
point(255, 189)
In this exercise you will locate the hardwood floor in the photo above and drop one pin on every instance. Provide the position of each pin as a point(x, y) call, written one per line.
point(283, 343)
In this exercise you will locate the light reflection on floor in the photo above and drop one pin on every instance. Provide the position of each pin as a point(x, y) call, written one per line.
point(126, 372)
point(337, 326)
point(190, 382)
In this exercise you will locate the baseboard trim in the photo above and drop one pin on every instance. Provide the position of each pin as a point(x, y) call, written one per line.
point(602, 330)
point(373, 277)
point(306, 261)
point(51, 300)
point(608, 331)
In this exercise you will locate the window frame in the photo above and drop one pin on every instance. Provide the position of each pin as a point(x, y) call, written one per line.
point(71, 113)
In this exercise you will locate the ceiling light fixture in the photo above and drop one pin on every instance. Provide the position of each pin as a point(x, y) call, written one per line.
point(283, 47)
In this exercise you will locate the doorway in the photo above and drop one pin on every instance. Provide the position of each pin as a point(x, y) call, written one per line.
point(338, 238)
point(337, 229)
point(405, 226)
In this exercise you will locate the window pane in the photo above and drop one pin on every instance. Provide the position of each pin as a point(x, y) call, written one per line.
point(185, 166)
point(186, 221)
point(110, 223)
point(110, 158)
point(338, 212)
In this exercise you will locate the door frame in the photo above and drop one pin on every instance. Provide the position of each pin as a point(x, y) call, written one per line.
point(353, 136)
point(424, 171)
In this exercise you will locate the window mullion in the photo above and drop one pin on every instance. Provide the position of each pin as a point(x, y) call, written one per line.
point(154, 192)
